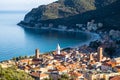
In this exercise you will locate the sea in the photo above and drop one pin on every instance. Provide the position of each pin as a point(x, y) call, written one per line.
point(18, 41)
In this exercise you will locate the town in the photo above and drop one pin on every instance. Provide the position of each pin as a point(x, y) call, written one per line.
point(75, 63)
point(60, 40)
point(86, 62)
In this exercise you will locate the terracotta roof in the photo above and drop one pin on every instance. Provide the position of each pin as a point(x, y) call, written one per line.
point(25, 60)
point(27, 68)
point(36, 68)
point(63, 53)
point(72, 66)
point(57, 63)
point(61, 68)
point(76, 74)
point(43, 75)
point(115, 78)
point(36, 74)
point(49, 65)
point(92, 62)
point(118, 68)
point(109, 63)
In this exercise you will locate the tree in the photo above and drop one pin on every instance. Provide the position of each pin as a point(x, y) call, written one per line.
point(118, 42)
point(26, 57)
point(95, 44)
point(11, 73)
point(50, 78)
point(1, 72)
point(20, 57)
point(64, 77)
point(14, 58)
point(110, 51)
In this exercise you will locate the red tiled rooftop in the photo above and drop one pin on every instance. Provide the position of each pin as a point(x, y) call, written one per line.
point(36, 74)
point(61, 68)
point(76, 74)
point(24, 60)
point(115, 78)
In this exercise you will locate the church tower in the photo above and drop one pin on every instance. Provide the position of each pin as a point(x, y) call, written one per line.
point(58, 49)
point(37, 53)
point(100, 53)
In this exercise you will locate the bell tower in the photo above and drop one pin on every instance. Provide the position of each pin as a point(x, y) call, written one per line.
point(58, 49)
point(37, 53)
point(100, 53)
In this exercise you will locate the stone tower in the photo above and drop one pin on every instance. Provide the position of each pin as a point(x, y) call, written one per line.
point(37, 53)
point(91, 57)
point(100, 54)
point(58, 49)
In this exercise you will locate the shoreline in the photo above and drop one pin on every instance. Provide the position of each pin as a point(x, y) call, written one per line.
point(93, 36)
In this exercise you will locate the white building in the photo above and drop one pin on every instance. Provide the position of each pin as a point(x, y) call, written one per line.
point(58, 49)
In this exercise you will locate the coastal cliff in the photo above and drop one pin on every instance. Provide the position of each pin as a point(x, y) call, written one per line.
point(72, 12)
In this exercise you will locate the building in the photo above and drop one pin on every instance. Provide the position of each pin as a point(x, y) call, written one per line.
point(115, 78)
point(39, 76)
point(91, 57)
point(100, 54)
point(37, 53)
point(58, 49)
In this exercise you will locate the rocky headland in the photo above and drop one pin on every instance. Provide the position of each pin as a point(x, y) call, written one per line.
point(72, 12)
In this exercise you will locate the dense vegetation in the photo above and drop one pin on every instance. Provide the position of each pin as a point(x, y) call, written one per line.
point(65, 8)
point(12, 74)
point(108, 15)
point(59, 9)
point(71, 12)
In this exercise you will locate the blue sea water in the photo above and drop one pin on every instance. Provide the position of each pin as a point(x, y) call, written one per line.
point(17, 41)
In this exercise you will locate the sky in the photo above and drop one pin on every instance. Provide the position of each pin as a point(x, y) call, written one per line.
point(18, 5)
